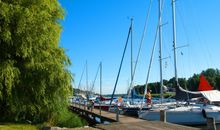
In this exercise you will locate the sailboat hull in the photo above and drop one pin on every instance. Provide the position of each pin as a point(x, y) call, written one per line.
point(132, 111)
point(182, 117)
point(104, 107)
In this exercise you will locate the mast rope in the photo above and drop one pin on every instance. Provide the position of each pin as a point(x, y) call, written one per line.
point(152, 55)
point(140, 46)
point(81, 76)
point(119, 71)
point(93, 84)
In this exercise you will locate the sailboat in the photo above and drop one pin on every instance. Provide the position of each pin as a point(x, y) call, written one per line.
point(188, 114)
point(100, 102)
point(129, 106)
point(103, 103)
point(133, 108)
point(192, 113)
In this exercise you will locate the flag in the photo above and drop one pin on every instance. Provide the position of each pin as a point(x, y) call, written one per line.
point(204, 84)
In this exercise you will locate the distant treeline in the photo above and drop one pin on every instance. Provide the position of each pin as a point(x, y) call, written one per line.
point(212, 75)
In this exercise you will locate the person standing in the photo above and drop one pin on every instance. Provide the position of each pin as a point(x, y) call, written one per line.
point(149, 97)
point(92, 105)
point(120, 102)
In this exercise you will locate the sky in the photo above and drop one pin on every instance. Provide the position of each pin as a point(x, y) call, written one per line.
point(96, 30)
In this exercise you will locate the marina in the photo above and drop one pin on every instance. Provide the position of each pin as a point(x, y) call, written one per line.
point(109, 64)
point(197, 105)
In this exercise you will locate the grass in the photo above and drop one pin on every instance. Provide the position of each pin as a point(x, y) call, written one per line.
point(11, 126)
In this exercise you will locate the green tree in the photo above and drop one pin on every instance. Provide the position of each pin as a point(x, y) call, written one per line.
point(34, 79)
point(193, 82)
point(182, 82)
point(218, 82)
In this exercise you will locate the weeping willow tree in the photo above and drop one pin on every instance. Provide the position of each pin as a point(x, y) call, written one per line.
point(34, 80)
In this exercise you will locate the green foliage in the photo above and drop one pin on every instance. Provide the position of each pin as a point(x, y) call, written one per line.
point(140, 89)
point(34, 80)
point(193, 82)
point(212, 75)
point(154, 87)
point(68, 119)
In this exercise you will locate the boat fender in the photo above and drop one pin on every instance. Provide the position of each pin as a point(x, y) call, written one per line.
point(204, 113)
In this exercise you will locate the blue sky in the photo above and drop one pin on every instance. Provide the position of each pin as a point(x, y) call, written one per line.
point(96, 30)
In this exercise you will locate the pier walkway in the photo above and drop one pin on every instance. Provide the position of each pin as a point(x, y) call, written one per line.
point(124, 122)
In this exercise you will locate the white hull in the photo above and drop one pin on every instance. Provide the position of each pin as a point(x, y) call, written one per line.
point(182, 115)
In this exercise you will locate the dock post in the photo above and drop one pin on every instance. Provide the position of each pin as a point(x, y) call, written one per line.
point(79, 103)
point(117, 114)
point(101, 120)
point(94, 118)
point(163, 115)
point(84, 105)
point(211, 123)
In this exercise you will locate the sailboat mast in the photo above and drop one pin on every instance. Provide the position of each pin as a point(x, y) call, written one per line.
point(131, 60)
point(174, 39)
point(174, 50)
point(100, 88)
point(160, 51)
point(131, 51)
point(122, 59)
point(87, 84)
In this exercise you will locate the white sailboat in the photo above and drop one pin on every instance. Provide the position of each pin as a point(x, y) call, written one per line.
point(190, 114)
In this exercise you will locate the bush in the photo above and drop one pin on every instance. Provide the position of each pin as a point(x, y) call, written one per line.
point(68, 119)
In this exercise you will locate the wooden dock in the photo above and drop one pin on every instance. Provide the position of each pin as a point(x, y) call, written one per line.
point(125, 122)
